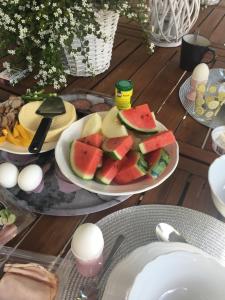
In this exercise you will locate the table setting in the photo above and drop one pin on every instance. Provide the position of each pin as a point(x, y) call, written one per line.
point(112, 187)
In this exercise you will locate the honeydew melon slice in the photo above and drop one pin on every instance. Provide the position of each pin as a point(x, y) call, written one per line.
point(111, 126)
point(92, 125)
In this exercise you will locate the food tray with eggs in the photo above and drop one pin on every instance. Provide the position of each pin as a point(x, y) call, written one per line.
point(216, 76)
point(50, 192)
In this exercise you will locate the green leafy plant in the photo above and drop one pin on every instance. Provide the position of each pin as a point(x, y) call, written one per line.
point(33, 33)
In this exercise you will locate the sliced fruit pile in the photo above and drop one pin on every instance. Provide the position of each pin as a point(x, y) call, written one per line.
point(121, 148)
point(19, 136)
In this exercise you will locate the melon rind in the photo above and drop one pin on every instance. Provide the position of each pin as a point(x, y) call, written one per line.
point(160, 165)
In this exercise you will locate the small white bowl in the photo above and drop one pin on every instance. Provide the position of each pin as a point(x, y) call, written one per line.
point(219, 149)
point(216, 177)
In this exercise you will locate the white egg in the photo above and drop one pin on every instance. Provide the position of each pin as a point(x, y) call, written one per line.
point(8, 175)
point(201, 72)
point(87, 242)
point(30, 177)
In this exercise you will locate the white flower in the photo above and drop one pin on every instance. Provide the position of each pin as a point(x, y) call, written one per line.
point(12, 52)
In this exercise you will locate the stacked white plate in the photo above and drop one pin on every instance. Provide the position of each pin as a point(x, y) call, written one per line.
point(166, 271)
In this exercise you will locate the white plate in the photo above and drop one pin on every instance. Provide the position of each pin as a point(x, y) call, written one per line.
point(122, 278)
point(180, 276)
point(216, 177)
point(62, 158)
point(11, 148)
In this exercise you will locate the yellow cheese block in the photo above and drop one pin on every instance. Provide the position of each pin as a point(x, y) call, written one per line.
point(30, 120)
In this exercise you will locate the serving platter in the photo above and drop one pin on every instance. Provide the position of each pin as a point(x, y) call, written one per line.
point(215, 76)
point(93, 97)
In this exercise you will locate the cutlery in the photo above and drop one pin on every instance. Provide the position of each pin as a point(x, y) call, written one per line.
point(49, 109)
point(91, 290)
point(167, 233)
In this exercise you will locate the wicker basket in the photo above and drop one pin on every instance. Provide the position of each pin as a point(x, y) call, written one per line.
point(171, 19)
point(100, 50)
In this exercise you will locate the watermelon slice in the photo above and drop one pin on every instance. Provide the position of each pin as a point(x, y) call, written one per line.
point(84, 159)
point(157, 141)
point(139, 118)
point(157, 160)
point(118, 147)
point(132, 168)
point(95, 139)
point(108, 171)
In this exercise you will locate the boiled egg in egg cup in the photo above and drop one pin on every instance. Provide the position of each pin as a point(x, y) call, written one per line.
point(199, 76)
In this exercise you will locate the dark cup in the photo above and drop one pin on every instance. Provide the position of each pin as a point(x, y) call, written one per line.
point(193, 50)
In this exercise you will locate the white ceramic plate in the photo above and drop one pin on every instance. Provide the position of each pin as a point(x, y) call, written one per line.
point(216, 177)
point(124, 279)
point(11, 148)
point(62, 158)
point(180, 276)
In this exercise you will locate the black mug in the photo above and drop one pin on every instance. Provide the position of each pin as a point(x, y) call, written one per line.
point(193, 49)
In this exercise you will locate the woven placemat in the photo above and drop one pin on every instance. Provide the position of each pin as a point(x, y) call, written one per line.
point(138, 225)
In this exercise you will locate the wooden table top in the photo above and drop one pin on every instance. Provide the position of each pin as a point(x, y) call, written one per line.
point(157, 80)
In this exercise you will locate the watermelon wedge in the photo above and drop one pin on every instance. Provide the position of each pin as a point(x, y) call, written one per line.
point(84, 159)
point(157, 141)
point(157, 160)
point(132, 168)
point(139, 118)
point(118, 147)
point(108, 171)
point(95, 139)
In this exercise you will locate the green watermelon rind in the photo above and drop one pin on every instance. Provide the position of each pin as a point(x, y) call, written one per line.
point(113, 154)
point(160, 165)
point(102, 179)
point(129, 126)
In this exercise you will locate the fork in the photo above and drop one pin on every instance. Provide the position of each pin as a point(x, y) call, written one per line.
point(91, 290)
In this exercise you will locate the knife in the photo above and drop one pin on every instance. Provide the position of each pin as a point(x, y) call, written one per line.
point(49, 109)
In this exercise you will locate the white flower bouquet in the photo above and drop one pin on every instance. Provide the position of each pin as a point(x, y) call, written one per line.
point(33, 33)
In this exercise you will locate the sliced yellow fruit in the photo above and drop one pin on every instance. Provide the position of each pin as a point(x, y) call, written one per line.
point(2, 139)
point(23, 132)
point(199, 111)
point(199, 101)
point(201, 88)
point(221, 96)
point(10, 138)
point(209, 114)
point(111, 126)
point(92, 125)
point(213, 104)
point(16, 132)
point(209, 99)
point(5, 132)
point(212, 89)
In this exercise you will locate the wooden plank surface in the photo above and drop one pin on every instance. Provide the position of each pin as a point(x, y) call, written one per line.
point(157, 80)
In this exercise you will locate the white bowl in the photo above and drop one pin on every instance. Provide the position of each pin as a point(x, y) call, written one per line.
point(122, 277)
point(62, 158)
point(216, 177)
point(180, 276)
